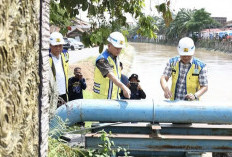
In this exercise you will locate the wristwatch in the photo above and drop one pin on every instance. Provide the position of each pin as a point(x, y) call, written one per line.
point(195, 96)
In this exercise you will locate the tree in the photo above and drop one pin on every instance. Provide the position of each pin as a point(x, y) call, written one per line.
point(189, 22)
point(59, 17)
point(101, 25)
point(160, 24)
point(201, 19)
point(166, 13)
point(147, 27)
point(178, 27)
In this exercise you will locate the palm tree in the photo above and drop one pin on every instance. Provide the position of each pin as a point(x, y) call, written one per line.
point(201, 19)
point(178, 27)
point(189, 22)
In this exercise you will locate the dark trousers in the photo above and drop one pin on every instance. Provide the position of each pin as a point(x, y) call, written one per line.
point(64, 97)
point(61, 102)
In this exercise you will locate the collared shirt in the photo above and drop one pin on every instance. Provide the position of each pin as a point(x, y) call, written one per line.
point(104, 66)
point(181, 84)
point(60, 77)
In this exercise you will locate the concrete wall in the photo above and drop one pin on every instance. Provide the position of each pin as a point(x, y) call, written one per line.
point(45, 78)
point(225, 46)
point(19, 78)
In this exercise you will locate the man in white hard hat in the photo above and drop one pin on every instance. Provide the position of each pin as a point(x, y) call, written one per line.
point(107, 72)
point(189, 74)
point(58, 59)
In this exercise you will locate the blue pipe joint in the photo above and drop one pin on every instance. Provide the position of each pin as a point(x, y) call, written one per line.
point(143, 111)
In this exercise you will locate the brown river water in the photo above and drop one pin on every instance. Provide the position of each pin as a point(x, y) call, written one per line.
point(150, 61)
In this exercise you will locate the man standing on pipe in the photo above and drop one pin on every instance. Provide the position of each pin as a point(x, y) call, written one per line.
point(107, 72)
point(189, 74)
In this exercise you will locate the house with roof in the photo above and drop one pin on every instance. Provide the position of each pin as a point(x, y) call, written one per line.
point(228, 24)
point(210, 33)
point(77, 29)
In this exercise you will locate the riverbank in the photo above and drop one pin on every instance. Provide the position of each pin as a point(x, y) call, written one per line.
point(212, 45)
point(215, 45)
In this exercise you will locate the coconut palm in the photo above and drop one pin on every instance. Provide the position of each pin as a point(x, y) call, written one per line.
point(178, 27)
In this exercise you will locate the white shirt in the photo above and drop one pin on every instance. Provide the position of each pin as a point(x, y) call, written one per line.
point(60, 77)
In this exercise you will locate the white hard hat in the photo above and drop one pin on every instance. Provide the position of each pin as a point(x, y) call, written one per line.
point(186, 47)
point(116, 39)
point(56, 38)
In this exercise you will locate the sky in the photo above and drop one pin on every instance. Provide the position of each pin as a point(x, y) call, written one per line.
point(217, 8)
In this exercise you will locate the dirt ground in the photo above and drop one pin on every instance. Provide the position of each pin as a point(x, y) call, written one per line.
point(87, 68)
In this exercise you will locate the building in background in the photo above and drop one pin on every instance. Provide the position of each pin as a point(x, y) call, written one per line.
point(221, 20)
point(228, 24)
point(78, 28)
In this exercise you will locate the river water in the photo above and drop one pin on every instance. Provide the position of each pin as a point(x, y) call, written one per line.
point(150, 61)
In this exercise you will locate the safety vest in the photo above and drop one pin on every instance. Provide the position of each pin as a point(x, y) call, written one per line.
point(192, 77)
point(65, 59)
point(103, 87)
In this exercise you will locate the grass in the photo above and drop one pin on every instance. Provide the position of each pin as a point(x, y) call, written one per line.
point(57, 148)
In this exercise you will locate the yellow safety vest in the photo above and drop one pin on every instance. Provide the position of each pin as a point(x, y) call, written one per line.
point(103, 87)
point(192, 77)
point(65, 59)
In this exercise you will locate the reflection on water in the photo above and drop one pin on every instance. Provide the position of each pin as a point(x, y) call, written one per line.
point(151, 59)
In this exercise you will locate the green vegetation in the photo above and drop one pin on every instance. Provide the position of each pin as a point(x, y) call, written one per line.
point(166, 13)
point(146, 27)
point(59, 148)
point(59, 17)
point(105, 149)
point(101, 25)
point(187, 22)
